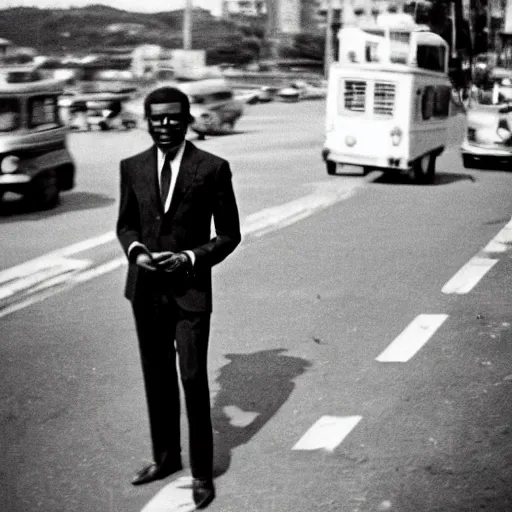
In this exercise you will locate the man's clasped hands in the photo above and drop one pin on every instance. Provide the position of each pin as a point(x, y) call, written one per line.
point(166, 260)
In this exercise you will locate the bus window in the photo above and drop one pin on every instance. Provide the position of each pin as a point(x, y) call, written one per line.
point(431, 57)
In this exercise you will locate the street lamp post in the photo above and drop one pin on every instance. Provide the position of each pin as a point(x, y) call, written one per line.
point(187, 25)
point(328, 40)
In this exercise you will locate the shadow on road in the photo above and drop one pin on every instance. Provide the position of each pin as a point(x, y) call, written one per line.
point(441, 178)
point(69, 201)
point(257, 383)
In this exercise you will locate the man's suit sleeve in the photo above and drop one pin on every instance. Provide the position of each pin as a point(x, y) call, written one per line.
point(226, 218)
point(128, 222)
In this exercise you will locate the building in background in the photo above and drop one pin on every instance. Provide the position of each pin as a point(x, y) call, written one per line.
point(287, 17)
point(249, 8)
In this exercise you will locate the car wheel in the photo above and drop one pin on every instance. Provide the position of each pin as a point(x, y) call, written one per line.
point(227, 127)
point(200, 136)
point(331, 167)
point(44, 193)
point(424, 169)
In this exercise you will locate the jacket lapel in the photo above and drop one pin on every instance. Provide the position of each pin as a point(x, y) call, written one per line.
point(149, 178)
point(186, 175)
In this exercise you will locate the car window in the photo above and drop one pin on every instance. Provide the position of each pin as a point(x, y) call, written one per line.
point(9, 114)
point(493, 94)
point(43, 112)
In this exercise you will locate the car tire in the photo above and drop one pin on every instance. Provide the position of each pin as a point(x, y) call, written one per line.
point(424, 169)
point(200, 136)
point(44, 193)
point(331, 167)
point(227, 127)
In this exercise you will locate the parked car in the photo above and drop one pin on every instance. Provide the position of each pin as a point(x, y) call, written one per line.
point(213, 106)
point(102, 111)
point(34, 159)
point(302, 90)
point(488, 140)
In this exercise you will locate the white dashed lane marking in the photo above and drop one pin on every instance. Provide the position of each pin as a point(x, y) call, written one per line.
point(476, 268)
point(327, 433)
point(174, 497)
point(410, 341)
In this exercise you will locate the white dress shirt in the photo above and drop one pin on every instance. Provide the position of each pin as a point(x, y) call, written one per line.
point(175, 169)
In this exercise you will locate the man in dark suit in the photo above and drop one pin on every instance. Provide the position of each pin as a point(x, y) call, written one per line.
point(169, 195)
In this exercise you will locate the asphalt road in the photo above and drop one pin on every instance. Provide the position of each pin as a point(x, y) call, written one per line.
point(304, 312)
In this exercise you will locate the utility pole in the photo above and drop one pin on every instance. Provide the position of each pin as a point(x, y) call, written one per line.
point(187, 25)
point(272, 28)
point(328, 40)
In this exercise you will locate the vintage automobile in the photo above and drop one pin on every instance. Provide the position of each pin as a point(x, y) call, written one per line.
point(488, 140)
point(301, 90)
point(213, 105)
point(101, 111)
point(34, 159)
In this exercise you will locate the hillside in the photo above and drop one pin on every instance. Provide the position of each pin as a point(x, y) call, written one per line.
point(99, 28)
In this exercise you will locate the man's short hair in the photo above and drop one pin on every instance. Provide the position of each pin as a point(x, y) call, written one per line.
point(169, 95)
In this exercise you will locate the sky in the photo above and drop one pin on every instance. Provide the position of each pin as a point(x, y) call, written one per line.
point(127, 5)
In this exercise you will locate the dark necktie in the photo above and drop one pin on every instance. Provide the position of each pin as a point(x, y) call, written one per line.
point(165, 179)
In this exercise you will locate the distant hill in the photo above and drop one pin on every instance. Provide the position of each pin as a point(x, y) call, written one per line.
point(97, 28)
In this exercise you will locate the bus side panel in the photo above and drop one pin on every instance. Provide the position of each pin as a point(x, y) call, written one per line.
point(429, 107)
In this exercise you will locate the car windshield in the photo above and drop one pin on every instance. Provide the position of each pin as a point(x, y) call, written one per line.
point(9, 114)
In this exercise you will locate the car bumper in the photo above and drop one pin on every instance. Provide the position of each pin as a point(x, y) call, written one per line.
point(479, 150)
point(395, 162)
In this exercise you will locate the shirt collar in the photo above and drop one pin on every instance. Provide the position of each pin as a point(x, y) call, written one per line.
point(177, 156)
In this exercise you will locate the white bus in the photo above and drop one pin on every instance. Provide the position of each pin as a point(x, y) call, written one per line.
point(388, 100)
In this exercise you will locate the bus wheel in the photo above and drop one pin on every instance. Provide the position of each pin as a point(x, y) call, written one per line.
point(424, 169)
point(44, 193)
point(331, 167)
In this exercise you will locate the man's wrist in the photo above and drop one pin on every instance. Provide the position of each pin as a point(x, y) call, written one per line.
point(191, 257)
point(135, 251)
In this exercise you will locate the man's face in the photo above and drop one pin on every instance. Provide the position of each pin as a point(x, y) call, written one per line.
point(167, 125)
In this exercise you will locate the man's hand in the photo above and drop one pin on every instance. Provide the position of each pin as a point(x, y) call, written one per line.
point(145, 261)
point(172, 262)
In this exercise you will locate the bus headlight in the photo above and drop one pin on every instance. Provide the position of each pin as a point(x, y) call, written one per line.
point(10, 164)
point(350, 141)
point(396, 136)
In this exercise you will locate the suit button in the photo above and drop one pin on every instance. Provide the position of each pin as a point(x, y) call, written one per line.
point(158, 217)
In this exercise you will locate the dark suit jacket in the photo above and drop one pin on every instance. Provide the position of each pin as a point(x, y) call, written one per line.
point(203, 190)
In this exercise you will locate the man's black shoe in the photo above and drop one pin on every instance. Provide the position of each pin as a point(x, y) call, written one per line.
point(203, 492)
point(152, 472)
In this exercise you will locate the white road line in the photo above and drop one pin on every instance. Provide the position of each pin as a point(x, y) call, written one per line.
point(327, 433)
point(502, 242)
point(174, 497)
point(412, 338)
point(469, 275)
point(325, 194)
point(36, 264)
point(238, 417)
point(53, 272)
point(476, 268)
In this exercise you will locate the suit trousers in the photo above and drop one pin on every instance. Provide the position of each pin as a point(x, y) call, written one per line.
point(164, 330)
